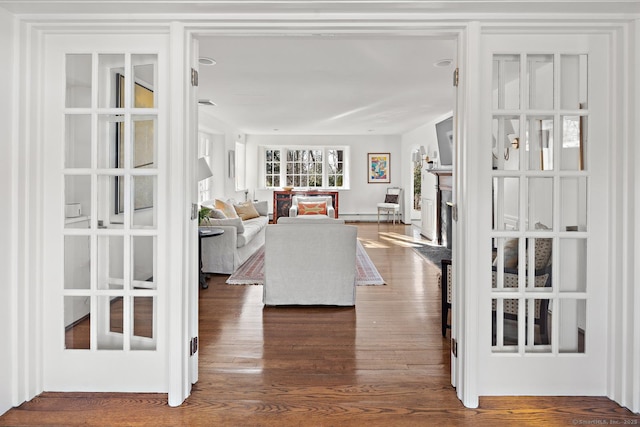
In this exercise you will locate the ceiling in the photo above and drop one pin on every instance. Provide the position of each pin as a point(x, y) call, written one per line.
point(326, 84)
point(200, 7)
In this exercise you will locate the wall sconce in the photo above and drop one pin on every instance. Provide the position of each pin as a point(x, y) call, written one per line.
point(419, 156)
point(204, 171)
point(515, 141)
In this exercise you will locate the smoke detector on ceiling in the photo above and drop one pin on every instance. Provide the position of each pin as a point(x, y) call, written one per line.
point(443, 63)
point(206, 61)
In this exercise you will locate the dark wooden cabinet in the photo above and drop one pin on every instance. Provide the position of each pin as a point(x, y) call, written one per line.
point(282, 201)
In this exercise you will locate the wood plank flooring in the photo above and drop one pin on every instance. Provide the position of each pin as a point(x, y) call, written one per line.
point(382, 363)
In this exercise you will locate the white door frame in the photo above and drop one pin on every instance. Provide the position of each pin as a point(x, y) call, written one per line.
point(624, 353)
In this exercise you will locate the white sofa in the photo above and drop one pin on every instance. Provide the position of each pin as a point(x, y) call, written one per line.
point(310, 263)
point(241, 239)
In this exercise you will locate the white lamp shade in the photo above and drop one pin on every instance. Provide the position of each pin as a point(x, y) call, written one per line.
point(204, 171)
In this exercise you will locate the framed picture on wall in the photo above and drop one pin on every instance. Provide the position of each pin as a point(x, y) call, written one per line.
point(378, 166)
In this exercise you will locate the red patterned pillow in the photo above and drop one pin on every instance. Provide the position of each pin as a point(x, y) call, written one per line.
point(312, 208)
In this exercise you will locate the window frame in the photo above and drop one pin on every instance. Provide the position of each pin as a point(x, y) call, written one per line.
point(284, 149)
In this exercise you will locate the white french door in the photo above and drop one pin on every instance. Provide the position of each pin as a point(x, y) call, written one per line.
point(543, 291)
point(105, 163)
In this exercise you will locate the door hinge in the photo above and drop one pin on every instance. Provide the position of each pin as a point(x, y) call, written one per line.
point(454, 347)
point(194, 211)
point(194, 77)
point(456, 77)
point(193, 346)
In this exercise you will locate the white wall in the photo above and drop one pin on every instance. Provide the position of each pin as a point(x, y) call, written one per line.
point(7, 267)
point(426, 137)
point(224, 139)
point(359, 202)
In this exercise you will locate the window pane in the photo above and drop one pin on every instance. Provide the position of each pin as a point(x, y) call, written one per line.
point(540, 203)
point(540, 143)
point(506, 82)
point(77, 322)
point(111, 208)
point(573, 204)
point(144, 201)
point(110, 323)
point(143, 256)
point(573, 265)
point(111, 70)
point(506, 142)
point(77, 258)
point(78, 141)
point(505, 325)
point(144, 79)
point(573, 149)
point(506, 196)
point(573, 315)
point(78, 74)
point(538, 326)
point(110, 265)
point(77, 197)
point(540, 73)
point(143, 323)
point(144, 142)
point(573, 81)
point(111, 152)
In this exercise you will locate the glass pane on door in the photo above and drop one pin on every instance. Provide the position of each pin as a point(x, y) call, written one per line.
point(79, 81)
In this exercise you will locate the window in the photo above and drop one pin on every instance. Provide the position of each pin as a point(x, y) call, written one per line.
point(317, 167)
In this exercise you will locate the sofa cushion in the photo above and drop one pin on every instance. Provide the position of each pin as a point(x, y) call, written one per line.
point(312, 208)
point(246, 211)
point(226, 208)
point(252, 227)
point(262, 207)
point(309, 219)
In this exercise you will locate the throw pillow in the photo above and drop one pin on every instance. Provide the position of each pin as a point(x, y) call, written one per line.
point(391, 198)
point(246, 211)
point(312, 208)
point(216, 214)
point(226, 208)
point(510, 254)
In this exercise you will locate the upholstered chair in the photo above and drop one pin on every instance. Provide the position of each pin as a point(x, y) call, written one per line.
point(310, 201)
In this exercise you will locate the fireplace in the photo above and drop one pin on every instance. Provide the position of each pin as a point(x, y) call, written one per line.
point(444, 182)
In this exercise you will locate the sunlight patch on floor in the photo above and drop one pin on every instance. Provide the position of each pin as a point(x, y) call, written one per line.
point(373, 244)
point(403, 240)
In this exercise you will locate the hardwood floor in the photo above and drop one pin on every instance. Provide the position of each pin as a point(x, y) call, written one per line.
point(382, 363)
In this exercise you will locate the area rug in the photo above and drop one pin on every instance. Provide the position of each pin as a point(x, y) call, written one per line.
point(434, 254)
point(252, 271)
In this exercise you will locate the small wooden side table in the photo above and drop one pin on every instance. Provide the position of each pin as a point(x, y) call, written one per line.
point(204, 232)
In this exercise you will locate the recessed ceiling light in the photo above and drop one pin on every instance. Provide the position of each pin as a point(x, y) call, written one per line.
point(443, 63)
point(206, 61)
point(206, 102)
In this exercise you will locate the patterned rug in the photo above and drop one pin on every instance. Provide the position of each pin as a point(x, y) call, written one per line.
point(252, 271)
